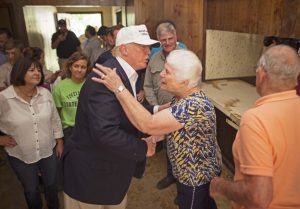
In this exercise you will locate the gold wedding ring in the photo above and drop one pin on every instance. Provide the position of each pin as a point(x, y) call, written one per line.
point(102, 76)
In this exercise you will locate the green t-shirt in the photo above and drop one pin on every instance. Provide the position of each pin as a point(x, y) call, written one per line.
point(65, 96)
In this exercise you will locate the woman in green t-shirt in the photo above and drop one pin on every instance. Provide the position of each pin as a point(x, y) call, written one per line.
point(66, 92)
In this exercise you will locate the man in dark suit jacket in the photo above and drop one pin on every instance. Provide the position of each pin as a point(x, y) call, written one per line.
point(105, 150)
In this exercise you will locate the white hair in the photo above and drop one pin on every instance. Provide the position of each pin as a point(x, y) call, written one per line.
point(186, 66)
point(282, 65)
point(165, 27)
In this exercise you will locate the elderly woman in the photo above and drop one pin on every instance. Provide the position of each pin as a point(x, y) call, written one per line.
point(189, 125)
point(33, 129)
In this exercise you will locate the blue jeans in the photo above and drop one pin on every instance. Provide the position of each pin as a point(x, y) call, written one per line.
point(194, 197)
point(28, 176)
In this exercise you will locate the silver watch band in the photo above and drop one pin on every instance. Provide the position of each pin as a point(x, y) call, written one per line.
point(120, 89)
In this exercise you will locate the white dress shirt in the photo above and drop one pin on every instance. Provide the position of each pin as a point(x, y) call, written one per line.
point(132, 76)
point(130, 72)
point(34, 126)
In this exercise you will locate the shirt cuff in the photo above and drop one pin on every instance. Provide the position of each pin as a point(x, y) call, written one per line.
point(155, 108)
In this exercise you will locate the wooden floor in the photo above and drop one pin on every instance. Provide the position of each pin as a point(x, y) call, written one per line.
point(11, 191)
point(142, 193)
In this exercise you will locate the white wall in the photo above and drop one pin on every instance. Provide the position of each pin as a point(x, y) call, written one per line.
point(40, 25)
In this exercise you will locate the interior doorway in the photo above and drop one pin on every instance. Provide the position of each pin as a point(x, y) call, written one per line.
point(77, 22)
point(41, 21)
point(40, 25)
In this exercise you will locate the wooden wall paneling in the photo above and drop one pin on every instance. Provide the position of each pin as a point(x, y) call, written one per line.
point(231, 10)
point(7, 19)
point(252, 17)
point(203, 26)
point(197, 31)
point(180, 12)
point(20, 22)
point(272, 17)
point(211, 15)
point(291, 12)
point(277, 16)
point(149, 13)
point(237, 14)
point(242, 17)
point(227, 11)
point(187, 14)
point(297, 24)
point(264, 19)
point(189, 19)
point(220, 12)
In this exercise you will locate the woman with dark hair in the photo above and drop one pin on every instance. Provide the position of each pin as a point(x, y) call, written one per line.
point(33, 129)
point(66, 92)
point(39, 55)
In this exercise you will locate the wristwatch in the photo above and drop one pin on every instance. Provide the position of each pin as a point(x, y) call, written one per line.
point(120, 89)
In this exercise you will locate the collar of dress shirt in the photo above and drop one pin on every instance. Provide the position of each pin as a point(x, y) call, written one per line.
point(11, 93)
point(130, 72)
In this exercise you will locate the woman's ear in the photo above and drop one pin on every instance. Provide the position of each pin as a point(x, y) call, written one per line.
point(185, 82)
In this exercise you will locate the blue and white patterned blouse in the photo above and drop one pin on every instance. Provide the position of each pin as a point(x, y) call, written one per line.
point(193, 150)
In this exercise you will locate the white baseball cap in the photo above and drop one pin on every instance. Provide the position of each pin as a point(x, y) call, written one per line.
point(134, 34)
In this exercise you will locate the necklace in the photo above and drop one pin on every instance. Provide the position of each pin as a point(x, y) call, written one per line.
point(25, 94)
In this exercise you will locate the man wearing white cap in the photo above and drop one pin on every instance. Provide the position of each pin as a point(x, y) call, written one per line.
point(106, 150)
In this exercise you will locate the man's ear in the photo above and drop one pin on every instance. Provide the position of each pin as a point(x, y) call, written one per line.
point(261, 75)
point(124, 50)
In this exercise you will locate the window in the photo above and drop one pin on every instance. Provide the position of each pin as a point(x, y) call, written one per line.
point(77, 22)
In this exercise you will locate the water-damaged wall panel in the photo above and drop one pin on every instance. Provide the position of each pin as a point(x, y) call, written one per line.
point(231, 54)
